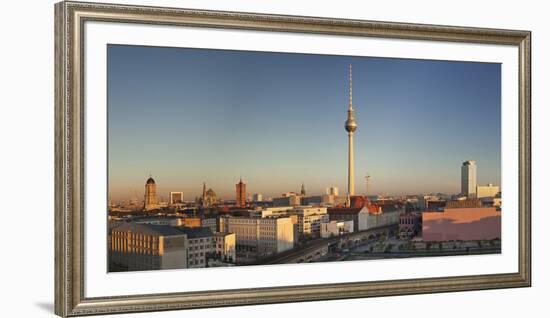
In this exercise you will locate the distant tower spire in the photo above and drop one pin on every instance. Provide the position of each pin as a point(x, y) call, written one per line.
point(350, 89)
point(367, 178)
point(350, 126)
point(203, 193)
point(303, 190)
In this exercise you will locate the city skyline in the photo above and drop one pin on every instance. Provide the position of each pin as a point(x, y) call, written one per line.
point(276, 119)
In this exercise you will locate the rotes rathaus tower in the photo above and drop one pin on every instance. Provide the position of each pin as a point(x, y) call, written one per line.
point(351, 126)
point(240, 189)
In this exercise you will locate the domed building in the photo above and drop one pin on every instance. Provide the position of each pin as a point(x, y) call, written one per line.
point(150, 198)
point(208, 199)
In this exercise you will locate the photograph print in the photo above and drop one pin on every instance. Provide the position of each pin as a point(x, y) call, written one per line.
point(232, 158)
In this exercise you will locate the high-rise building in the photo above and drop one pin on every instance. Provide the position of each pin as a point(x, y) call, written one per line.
point(257, 197)
point(176, 198)
point(240, 189)
point(350, 126)
point(469, 178)
point(333, 190)
point(303, 190)
point(150, 198)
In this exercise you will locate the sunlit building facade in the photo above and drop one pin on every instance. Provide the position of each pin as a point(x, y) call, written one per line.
point(224, 247)
point(310, 219)
point(135, 247)
point(335, 228)
point(263, 236)
point(487, 191)
point(176, 198)
point(150, 198)
point(240, 189)
point(469, 178)
point(477, 223)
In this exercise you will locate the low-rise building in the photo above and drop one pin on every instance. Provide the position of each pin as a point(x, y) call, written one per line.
point(310, 219)
point(191, 221)
point(211, 223)
point(176, 198)
point(410, 225)
point(336, 228)
point(463, 203)
point(136, 247)
point(199, 245)
point(288, 199)
point(476, 223)
point(224, 247)
point(387, 218)
point(357, 215)
point(365, 218)
point(262, 236)
point(312, 200)
point(158, 220)
point(487, 191)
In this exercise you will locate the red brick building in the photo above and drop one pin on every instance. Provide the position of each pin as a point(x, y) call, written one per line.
point(241, 193)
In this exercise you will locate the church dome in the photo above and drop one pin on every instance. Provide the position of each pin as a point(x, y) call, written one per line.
point(150, 181)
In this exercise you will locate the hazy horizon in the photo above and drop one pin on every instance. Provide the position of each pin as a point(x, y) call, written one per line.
point(188, 116)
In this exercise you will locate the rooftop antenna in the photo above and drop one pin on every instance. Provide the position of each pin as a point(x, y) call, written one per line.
point(367, 178)
point(350, 89)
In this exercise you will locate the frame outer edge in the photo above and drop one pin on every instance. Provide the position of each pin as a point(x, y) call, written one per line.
point(70, 299)
point(525, 111)
point(60, 303)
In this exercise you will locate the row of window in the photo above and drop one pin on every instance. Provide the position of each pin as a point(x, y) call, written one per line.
point(196, 262)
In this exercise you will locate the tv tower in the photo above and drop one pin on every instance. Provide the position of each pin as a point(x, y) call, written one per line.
point(351, 126)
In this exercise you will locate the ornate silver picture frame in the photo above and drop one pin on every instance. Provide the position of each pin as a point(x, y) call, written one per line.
point(70, 147)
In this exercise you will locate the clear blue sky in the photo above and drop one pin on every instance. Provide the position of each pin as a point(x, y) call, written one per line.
point(277, 119)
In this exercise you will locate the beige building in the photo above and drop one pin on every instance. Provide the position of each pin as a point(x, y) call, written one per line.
point(310, 219)
point(288, 199)
point(176, 198)
point(262, 236)
point(135, 247)
point(224, 247)
point(382, 219)
point(282, 211)
point(335, 228)
point(211, 223)
point(487, 191)
point(363, 219)
point(159, 220)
